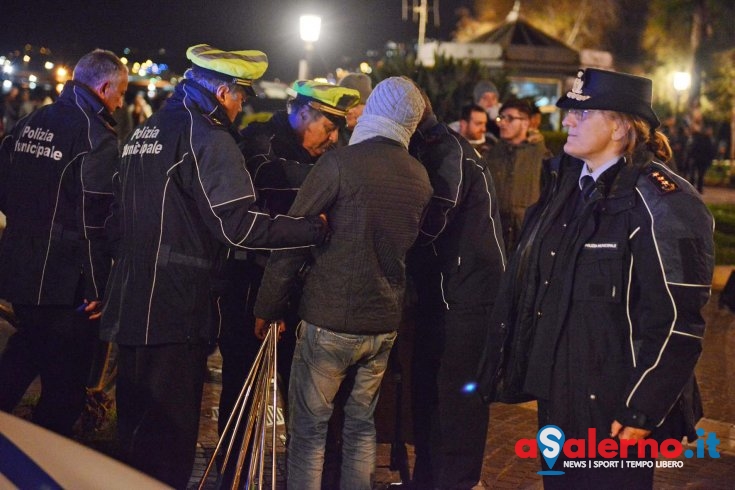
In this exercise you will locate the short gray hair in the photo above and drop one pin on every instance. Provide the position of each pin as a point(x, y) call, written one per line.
point(97, 67)
point(210, 82)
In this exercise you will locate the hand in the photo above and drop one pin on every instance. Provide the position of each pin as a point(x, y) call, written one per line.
point(92, 308)
point(323, 217)
point(635, 433)
point(261, 327)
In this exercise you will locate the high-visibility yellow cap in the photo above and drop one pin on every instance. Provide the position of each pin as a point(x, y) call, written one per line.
point(240, 67)
point(325, 97)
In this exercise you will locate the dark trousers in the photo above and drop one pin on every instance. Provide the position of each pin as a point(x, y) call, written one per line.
point(598, 478)
point(56, 343)
point(159, 396)
point(450, 421)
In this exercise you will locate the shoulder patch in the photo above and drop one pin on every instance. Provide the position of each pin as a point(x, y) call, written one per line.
point(661, 181)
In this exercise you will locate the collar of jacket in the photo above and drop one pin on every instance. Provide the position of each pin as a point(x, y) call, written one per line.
point(204, 101)
point(426, 126)
point(426, 132)
point(286, 135)
point(78, 93)
point(621, 184)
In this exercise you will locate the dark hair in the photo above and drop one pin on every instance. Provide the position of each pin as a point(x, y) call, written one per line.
point(520, 105)
point(98, 67)
point(466, 112)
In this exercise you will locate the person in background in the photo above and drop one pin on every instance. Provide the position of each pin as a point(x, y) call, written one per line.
point(486, 95)
point(56, 170)
point(726, 139)
point(375, 194)
point(599, 313)
point(279, 154)
point(140, 110)
point(700, 151)
point(473, 126)
point(11, 108)
point(515, 163)
point(363, 84)
point(182, 196)
point(455, 268)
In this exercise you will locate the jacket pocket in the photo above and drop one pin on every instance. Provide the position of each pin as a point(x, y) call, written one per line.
point(599, 272)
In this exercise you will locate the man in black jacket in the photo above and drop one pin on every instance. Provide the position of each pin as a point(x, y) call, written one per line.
point(375, 194)
point(56, 189)
point(456, 269)
point(182, 195)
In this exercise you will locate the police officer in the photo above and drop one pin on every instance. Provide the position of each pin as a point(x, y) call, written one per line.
point(182, 195)
point(601, 304)
point(56, 189)
point(455, 268)
point(279, 154)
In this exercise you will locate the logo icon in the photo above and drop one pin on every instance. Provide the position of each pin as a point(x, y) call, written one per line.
point(550, 440)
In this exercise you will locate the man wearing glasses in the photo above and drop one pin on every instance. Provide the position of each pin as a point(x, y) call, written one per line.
point(515, 163)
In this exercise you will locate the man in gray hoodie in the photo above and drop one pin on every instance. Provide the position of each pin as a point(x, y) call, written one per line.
point(374, 193)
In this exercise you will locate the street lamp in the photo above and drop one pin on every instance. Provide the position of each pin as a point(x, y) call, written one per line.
point(309, 28)
point(682, 81)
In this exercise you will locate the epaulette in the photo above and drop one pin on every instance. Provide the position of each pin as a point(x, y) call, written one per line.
point(661, 180)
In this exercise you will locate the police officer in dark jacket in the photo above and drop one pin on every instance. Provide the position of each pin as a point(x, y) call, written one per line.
point(56, 189)
point(456, 269)
point(182, 195)
point(599, 314)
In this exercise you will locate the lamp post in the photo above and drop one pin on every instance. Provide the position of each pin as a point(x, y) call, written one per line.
point(309, 28)
point(682, 81)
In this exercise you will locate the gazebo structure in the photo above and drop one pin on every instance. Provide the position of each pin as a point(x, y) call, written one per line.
point(537, 65)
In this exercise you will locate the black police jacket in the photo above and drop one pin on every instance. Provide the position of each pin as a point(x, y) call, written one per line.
point(624, 332)
point(276, 160)
point(460, 255)
point(182, 194)
point(56, 189)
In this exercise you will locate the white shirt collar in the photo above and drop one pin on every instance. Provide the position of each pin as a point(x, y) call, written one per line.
point(598, 171)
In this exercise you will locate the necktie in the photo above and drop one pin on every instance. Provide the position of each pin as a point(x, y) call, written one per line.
point(588, 184)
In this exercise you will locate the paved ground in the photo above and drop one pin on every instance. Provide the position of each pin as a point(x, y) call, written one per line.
point(508, 423)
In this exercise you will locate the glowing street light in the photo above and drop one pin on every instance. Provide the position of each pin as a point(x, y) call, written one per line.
point(310, 27)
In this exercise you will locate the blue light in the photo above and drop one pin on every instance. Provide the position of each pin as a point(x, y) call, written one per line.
point(469, 387)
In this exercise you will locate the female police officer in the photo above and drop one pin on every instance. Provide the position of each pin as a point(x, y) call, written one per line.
point(599, 311)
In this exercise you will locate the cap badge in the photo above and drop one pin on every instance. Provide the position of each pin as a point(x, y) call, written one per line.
point(576, 92)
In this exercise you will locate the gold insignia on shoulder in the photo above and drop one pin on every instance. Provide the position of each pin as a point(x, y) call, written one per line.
point(662, 181)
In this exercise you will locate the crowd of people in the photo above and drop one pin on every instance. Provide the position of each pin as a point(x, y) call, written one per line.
point(354, 212)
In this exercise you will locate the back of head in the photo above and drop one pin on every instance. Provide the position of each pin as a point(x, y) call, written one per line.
point(393, 110)
point(97, 67)
point(359, 82)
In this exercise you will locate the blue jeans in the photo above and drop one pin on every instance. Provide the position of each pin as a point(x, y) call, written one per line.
point(320, 364)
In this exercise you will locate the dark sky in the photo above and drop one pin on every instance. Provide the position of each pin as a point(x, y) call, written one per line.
point(71, 28)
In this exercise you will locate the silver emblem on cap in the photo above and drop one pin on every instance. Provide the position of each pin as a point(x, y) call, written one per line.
point(576, 92)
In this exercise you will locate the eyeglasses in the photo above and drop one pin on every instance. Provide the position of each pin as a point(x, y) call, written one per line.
point(507, 118)
point(580, 114)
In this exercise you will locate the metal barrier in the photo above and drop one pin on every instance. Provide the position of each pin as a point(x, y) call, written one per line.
point(257, 403)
